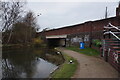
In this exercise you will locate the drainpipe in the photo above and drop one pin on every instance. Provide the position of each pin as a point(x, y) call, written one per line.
point(65, 42)
point(90, 23)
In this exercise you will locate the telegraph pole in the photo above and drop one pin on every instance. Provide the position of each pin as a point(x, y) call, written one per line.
point(106, 13)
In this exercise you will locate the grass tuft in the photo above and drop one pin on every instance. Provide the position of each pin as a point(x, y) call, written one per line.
point(87, 51)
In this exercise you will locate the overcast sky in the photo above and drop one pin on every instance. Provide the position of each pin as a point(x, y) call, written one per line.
point(60, 14)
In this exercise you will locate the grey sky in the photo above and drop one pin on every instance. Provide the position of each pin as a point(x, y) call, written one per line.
point(61, 14)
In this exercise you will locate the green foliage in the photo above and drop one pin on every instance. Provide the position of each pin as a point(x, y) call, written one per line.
point(87, 51)
point(97, 42)
point(66, 70)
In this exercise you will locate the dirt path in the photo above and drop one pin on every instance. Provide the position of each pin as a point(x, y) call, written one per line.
point(91, 67)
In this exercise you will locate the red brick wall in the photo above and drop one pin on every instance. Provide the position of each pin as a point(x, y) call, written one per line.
point(95, 26)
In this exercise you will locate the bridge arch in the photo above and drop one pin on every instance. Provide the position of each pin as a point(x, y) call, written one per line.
point(56, 40)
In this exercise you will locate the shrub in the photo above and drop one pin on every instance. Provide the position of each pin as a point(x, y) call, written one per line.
point(97, 42)
point(37, 42)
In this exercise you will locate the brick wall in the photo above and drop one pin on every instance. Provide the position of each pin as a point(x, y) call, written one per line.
point(96, 27)
point(91, 29)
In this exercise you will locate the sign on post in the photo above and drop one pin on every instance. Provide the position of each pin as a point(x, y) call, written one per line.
point(82, 45)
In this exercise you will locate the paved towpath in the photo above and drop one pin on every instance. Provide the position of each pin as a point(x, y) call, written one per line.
point(91, 67)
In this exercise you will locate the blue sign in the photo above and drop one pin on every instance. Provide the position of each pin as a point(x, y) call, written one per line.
point(82, 45)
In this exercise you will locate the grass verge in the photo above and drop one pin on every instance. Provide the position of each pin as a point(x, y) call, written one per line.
point(66, 70)
point(87, 51)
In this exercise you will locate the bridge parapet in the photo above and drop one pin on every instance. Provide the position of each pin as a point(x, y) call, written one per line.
point(56, 36)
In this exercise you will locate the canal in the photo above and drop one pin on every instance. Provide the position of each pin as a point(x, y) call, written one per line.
point(29, 62)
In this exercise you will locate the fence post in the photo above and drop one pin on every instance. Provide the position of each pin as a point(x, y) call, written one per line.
point(109, 32)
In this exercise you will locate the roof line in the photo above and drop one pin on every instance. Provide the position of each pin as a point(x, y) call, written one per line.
point(79, 24)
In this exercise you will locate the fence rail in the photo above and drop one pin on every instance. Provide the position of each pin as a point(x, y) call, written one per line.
point(109, 27)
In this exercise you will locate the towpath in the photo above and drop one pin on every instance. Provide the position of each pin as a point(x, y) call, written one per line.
point(91, 67)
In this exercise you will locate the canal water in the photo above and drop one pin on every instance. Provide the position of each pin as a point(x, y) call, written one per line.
point(29, 62)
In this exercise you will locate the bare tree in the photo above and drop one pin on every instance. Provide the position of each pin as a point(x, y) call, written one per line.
point(10, 14)
point(24, 31)
point(31, 22)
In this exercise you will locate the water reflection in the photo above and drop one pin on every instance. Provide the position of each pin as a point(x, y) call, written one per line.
point(29, 63)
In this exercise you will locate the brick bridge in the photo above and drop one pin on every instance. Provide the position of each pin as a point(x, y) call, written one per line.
point(85, 32)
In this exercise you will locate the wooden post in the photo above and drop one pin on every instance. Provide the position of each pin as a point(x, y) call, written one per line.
point(109, 34)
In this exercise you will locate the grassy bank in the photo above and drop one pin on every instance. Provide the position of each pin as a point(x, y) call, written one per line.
point(66, 70)
point(87, 51)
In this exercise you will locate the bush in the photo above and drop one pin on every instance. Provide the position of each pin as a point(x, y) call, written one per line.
point(37, 42)
point(97, 42)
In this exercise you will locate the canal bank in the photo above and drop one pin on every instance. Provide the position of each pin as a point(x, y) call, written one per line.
point(90, 66)
point(67, 69)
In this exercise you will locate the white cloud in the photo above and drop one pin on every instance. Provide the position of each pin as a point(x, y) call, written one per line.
point(64, 0)
point(73, 0)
